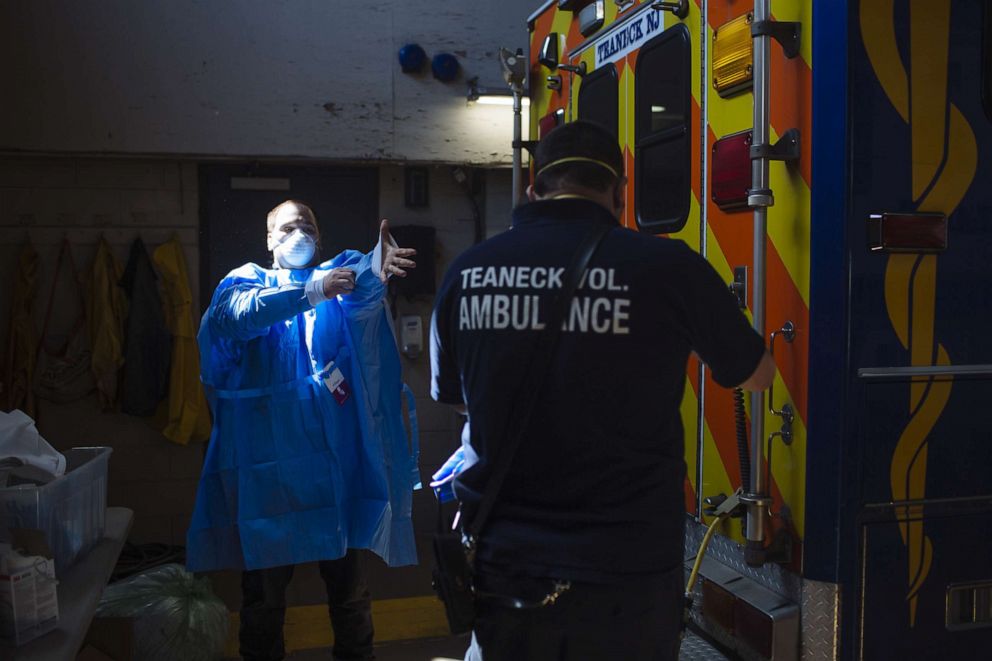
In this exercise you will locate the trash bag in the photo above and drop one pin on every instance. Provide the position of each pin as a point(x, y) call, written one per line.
point(176, 615)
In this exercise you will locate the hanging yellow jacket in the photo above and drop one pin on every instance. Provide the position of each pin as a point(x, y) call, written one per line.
point(22, 348)
point(106, 309)
point(188, 414)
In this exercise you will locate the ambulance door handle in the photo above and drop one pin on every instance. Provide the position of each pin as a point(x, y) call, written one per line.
point(678, 7)
point(788, 332)
point(579, 70)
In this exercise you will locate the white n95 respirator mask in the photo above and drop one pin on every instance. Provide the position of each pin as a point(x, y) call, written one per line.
point(296, 250)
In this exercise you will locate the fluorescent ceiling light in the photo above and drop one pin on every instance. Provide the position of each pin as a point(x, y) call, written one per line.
point(500, 100)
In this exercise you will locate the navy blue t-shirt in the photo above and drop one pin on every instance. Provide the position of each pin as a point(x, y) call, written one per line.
point(595, 491)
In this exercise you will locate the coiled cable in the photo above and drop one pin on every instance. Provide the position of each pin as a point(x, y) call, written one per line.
point(740, 420)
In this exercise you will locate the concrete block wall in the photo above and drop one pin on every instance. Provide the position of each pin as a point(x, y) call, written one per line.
point(46, 199)
point(255, 78)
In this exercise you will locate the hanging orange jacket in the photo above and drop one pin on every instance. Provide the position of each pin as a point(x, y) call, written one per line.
point(188, 414)
point(106, 309)
point(23, 337)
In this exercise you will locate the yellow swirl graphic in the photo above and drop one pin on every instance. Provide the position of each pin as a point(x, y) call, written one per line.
point(944, 160)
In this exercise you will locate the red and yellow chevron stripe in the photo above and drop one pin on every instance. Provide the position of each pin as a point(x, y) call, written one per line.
point(724, 238)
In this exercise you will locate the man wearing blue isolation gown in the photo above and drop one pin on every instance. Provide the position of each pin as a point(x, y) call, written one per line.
point(309, 458)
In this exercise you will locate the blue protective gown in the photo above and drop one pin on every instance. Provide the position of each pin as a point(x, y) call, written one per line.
point(292, 475)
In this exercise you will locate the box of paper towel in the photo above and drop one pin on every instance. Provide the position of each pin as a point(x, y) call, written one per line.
point(29, 605)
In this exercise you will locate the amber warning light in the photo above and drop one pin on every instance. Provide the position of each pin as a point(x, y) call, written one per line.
point(733, 56)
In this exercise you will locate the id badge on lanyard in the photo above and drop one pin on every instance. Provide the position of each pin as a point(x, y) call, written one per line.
point(335, 382)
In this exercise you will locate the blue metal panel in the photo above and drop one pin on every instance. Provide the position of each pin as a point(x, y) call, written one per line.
point(884, 635)
point(828, 291)
point(928, 432)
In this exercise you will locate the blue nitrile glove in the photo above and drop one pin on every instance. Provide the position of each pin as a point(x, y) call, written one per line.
point(443, 481)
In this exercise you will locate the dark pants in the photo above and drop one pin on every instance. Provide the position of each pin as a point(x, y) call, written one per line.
point(263, 609)
point(635, 621)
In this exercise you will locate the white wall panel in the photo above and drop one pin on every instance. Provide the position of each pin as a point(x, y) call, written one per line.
point(289, 78)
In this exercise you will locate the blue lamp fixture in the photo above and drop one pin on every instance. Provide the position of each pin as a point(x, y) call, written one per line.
point(412, 58)
point(445, 67)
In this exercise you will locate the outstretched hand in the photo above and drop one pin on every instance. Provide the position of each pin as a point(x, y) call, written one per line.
point(394, 258)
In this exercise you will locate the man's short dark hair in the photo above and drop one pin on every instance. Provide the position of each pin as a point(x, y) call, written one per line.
point(304, 209)
point(598, 164)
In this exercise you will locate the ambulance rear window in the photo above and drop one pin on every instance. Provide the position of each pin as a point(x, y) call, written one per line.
point(662, 186)
point(599, 98)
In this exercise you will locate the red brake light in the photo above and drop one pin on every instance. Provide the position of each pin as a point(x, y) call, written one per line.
point(731, 170)
point(907, 232)
point(550, 121)
point(755, 627)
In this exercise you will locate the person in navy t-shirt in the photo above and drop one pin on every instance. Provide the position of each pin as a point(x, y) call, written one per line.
point(594, 497)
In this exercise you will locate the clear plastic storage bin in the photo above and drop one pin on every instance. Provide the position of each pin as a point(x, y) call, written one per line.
point(71, 510)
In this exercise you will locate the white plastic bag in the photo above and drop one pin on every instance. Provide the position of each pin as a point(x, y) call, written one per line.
point(24, 453)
